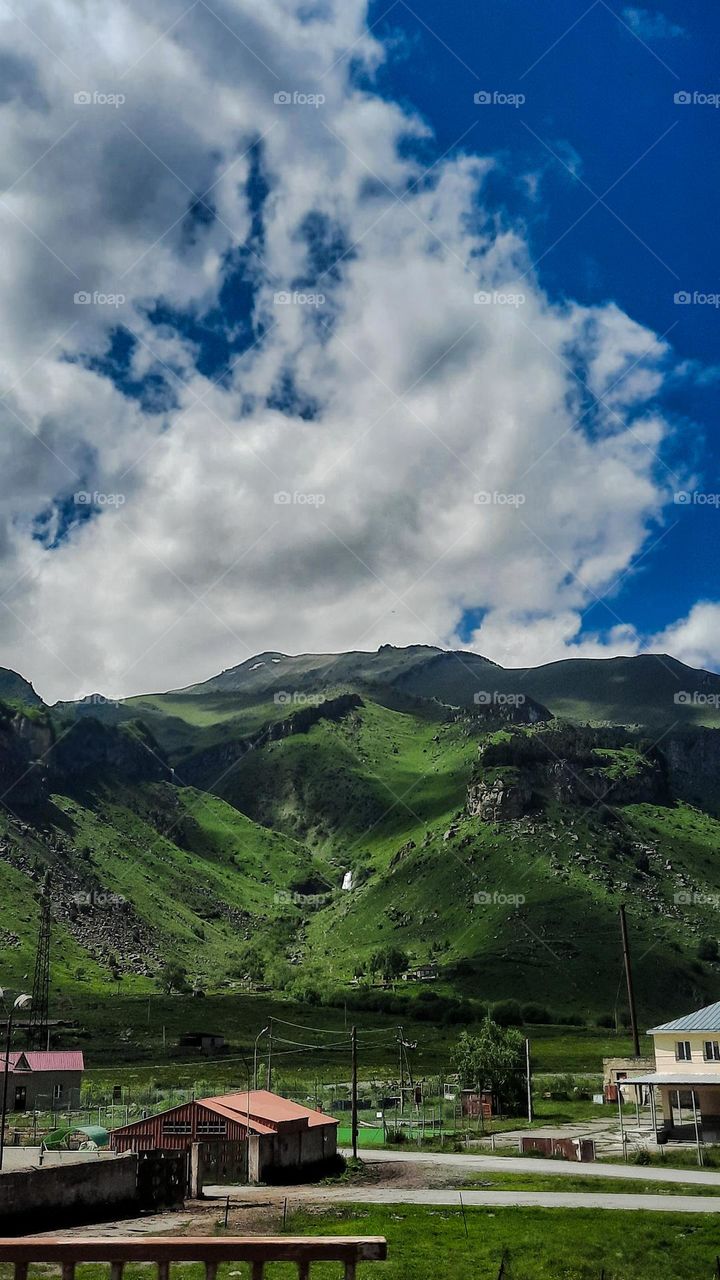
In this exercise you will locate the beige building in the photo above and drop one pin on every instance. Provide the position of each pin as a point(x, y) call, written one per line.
point(686, 1078)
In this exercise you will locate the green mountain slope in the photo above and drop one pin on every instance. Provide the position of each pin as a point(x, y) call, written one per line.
point(286, 820)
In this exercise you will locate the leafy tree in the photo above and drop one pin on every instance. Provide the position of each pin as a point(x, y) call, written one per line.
point(492, 1059)
point(174, 978)
point(708, 949)
point(255, 961)
point(389, 962)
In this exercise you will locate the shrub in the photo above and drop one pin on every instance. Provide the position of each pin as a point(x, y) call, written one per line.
point(396, 1136)
point(535, 1013)
point(707, 949)
point(507, 1013)
point(642, 1156)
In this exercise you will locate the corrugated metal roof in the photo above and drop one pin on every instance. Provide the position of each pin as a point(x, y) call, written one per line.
point(687, 1081)
point(232, 1113)
point(40, 1060)
point(267, 1112)
point(707, 1019)
point(269, 1107)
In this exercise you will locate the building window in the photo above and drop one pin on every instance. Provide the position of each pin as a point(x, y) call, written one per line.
point(682, 1051)
point(711, 1050)
point(176, 1127)
point(57, 1092)
point(214, 1128)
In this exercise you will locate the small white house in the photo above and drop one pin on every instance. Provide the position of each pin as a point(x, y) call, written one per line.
point(687, 1073)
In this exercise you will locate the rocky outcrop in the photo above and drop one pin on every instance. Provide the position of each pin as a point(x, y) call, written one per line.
point(89, 748)
point(692, 760)
point(499, 799)
point(567, 764)
point(23, 743)
point(574, 784)
point(37, 759)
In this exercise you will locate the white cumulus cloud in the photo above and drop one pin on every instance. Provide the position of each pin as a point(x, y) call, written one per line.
point(386, 452)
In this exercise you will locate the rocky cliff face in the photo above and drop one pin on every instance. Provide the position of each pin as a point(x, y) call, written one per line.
point(499, 799)
point(90, 748)
point(524, 771)
point(21, 779)
point(36, 757)
point(693, 767)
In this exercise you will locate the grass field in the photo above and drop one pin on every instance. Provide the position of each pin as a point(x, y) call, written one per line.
point(569, 1182)
point(138, 1036)
point(536, 1244)
point(529, 1244)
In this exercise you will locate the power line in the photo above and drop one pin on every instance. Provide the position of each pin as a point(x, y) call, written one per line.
point(327, 1031)
point(300, 1027)
point(325, 1048)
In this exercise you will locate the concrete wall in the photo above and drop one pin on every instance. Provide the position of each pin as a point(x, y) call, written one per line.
point(626, 1067)
point(103, 1185)
point(302, 1150)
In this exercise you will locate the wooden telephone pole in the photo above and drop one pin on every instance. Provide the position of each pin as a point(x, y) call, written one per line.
point(629, 980)
point(354, 1110)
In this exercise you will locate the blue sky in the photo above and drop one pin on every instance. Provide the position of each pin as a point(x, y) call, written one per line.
point(332, 325)
point(599, 82)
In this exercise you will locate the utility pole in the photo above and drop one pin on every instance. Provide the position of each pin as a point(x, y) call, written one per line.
point(354, 1111)
point(22, 1002)
point(39, 1031)
point(269, 1070)
point(529, 1081)
point(402, 1071)
point(629, 979)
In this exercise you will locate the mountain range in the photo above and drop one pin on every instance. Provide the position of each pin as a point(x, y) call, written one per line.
point(280, 824)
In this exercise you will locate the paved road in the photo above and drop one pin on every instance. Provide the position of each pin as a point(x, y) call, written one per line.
point(253, 1197)
point(524, 1164)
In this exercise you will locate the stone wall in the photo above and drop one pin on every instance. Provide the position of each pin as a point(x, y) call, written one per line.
point(62, 1191)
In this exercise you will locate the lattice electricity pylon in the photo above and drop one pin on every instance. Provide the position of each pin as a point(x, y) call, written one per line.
point(40, 1008)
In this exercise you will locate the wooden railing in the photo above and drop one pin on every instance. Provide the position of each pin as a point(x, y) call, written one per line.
point(257, 1251)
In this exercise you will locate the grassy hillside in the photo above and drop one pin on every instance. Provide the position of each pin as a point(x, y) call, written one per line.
point(146, 876)
point(281, 824)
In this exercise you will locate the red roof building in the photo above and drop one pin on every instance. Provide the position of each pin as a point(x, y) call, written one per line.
point(43, 1081)
point(287, 1135)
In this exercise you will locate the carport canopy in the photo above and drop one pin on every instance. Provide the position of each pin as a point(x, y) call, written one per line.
point(672, 1080)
